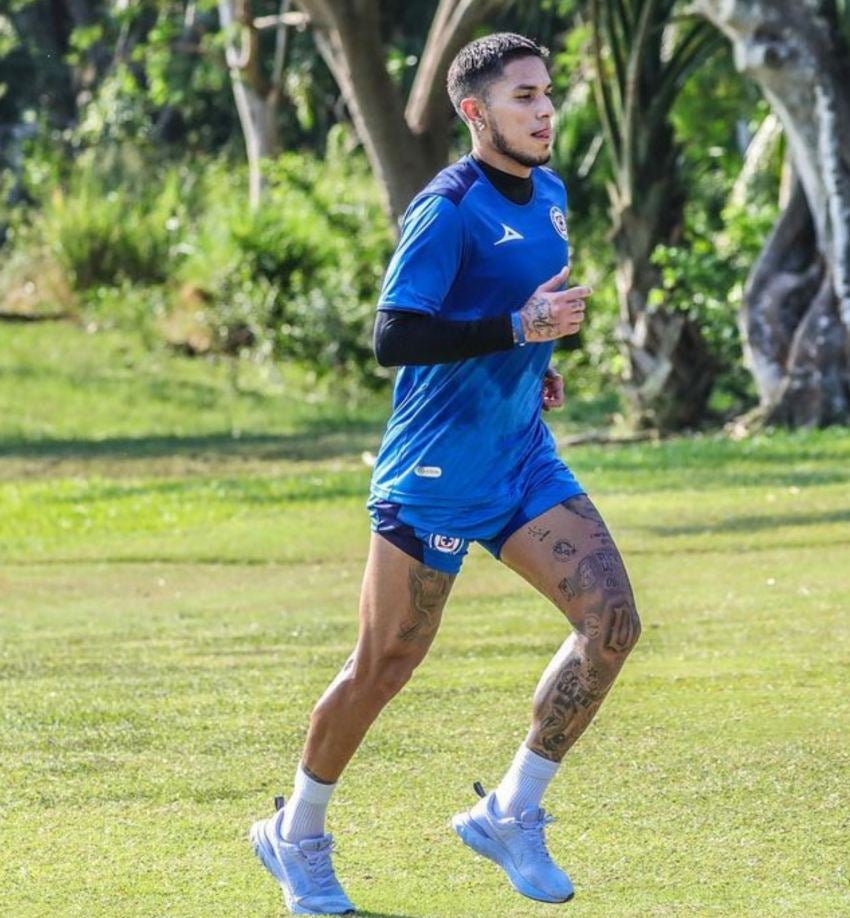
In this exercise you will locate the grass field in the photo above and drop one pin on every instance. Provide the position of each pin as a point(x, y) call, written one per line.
point(179, 564)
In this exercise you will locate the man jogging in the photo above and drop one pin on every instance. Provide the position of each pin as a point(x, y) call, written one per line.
point(472, 302)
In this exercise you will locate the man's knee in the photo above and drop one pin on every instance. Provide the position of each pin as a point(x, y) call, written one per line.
point(385, 674)
point(614, 630)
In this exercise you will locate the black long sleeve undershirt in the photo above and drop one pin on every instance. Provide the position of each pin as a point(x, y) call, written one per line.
point(411, 339)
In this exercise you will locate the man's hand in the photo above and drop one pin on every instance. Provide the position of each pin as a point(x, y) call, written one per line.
point(553, 389)
point(553, 313)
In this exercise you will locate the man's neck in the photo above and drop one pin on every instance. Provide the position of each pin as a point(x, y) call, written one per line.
point(516, 188)
point(501, 161)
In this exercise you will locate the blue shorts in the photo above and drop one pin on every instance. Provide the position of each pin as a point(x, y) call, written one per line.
point(440, 537)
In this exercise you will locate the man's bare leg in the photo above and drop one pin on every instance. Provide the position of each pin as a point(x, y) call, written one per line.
point(567, 553)
point(401, 604)
point(569, 556)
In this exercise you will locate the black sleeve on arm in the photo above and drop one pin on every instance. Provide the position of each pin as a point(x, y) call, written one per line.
point(411, 339)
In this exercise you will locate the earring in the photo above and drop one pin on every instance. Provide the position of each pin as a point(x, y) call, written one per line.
point(479, 125)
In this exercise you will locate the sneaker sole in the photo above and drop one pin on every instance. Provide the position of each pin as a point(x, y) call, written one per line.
point(482, 844)
point(266, 853)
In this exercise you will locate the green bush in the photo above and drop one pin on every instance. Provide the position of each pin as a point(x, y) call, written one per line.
point(176, 247)
point(298, 278)
point(705, 278)
point(105, 228)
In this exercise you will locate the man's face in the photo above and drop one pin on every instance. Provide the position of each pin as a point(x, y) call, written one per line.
point(519, 112)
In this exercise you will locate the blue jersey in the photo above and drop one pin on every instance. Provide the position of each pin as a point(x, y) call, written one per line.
point(461, 433)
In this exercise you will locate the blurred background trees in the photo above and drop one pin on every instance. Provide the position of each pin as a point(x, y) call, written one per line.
point(226, 175)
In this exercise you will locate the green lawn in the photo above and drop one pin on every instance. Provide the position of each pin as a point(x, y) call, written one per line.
point(179, 565)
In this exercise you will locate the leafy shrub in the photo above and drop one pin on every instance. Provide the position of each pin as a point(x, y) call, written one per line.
point(105, 228)
point(298, 278)
point(32, 283)
point(705, 278)
point(177, 248)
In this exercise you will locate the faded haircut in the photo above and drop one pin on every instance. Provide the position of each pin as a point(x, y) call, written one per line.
point(482, 61)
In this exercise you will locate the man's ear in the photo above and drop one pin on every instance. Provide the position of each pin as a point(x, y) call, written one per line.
point(473, 111)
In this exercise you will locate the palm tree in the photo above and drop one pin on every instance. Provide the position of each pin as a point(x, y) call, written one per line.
point(643, 56)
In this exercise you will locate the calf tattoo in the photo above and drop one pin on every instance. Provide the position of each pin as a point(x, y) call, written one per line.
point(598, 597)
point(567, 707)
point(429, 590)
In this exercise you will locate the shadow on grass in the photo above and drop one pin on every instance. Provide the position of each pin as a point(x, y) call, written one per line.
point(754, 523)
point(316, 441)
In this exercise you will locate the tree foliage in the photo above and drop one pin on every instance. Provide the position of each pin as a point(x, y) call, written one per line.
point(123, 149)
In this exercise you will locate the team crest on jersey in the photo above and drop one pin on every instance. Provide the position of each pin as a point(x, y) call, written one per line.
point(559, 221)
point(447, 544)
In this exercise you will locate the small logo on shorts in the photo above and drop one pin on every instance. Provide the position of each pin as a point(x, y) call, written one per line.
point(449, 545)
point(559, 221)
point(428, 471)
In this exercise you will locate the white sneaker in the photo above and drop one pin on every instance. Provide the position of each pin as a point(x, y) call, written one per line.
point(304, 870)
point(518, 846)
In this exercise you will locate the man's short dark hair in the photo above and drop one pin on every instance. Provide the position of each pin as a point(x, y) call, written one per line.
point(482, 61)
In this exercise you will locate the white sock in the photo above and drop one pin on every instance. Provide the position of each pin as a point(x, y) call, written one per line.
point(525, 783)
point(304, 813)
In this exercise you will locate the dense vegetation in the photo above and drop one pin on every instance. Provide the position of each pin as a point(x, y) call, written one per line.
point(127, 185)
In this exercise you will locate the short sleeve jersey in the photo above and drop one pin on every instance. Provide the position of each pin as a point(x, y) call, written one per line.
point(460, 432)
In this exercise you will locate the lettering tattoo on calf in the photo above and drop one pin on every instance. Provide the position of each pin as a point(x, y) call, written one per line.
point(429, 590)
point(567, 707)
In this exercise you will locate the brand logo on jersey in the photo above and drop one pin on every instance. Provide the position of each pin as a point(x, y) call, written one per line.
point(428, 471)
point(559, 221)
point(509, 236)
point(449, 545)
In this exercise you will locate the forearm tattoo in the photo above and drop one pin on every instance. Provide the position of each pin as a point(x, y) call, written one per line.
point(537, 318)
point(429, 590)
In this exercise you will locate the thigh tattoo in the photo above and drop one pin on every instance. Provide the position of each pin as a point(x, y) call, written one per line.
point(583, 508)
point(429, 590)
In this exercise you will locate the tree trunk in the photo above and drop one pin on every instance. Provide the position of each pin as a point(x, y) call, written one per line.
point(670, 371)
point(429, 111)
point(404, 149)
point(796, 314)
point(256, 99)
point(350, 42)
